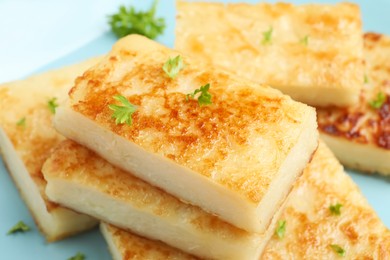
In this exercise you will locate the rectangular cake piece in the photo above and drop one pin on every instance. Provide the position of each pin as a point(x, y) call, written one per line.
point(81, 180)
point(125, 245)
point(26, 139)
point(312, 229)
point(328, 217)
point(312, 52)
point(236, 157)
point(359, 135)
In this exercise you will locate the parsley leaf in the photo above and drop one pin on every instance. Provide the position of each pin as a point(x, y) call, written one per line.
point(281, 228)
point(338, 249)
point(129, 21)
point(267, 36)
point(204, 97)
point(52, 104)
point(305, 40)
point(378, 101)
point(173, 66)
point(19, 227)
point(22, 122)
point(122, 114)
point(78, 256)
point(365, 79)
point(335, 209)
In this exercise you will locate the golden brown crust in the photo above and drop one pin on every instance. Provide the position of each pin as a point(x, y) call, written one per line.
point(204, 139)
point(330, 59)
point(75, 163)
point(34, 141)
point(132, 246)
point(52, 208)
point(361, 123)
point(312, 228)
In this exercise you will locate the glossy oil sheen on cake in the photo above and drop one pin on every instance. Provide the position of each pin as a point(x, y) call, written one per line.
point(236, 158)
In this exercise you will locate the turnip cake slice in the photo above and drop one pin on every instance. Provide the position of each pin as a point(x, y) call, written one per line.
point(27, 138)
point(229, 146)
point(79, 179)
point(124, 245)
point(326, 217)
point(312, 52)
point(359, 135)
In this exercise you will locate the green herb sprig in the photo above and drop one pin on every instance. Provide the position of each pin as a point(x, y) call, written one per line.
point(122, 114)
point(378, 101)
point(78, 256)
point(204, 98)
point(52, 105)
point(130, 21)
point(335, 209)
point(338, 249)
point(281, 229)
point(19, 227)
point(21, 122)
point(267, 36)
point(305, 40)
point(365, 79)
point(173, 66)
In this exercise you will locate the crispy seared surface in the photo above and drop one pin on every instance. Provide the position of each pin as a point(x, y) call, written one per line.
point(241, 131)
point(311, 228)
point(231, 36)
point(131, 246)
point(76, 164)
point(29, 99)
point(361, 123)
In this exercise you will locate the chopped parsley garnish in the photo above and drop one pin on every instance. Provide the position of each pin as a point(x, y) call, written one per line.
point(21, 122)
point(129, 21)
point(173, 66)
point(52, 104)
point(19, 227)
point(267, 36)
point(78, 256)
point(204, 98)
point(338, 249)
point(122, 114)
point(305, 40)
point(378, 101)
point(365, 79)
point(281, 229)
point(335, 209)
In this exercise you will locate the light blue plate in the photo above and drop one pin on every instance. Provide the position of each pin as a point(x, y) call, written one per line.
point(32, 245)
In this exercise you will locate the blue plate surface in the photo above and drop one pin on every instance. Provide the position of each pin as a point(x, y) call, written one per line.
point(32, 245)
